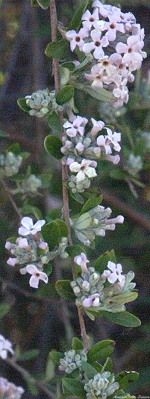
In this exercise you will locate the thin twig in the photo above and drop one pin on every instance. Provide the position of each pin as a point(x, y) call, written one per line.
point(11, 199)
point(127, 210)
point(28, 377)
point(66, 210)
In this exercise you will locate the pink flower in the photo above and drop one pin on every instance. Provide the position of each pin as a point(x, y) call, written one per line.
point(89, 18)
point(36, 275)
point(114, 274)
point(82, 261)
point(12, 261)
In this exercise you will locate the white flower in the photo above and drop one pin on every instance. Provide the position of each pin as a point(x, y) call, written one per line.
point(5, 347)
point(36, 275)
point(83, 170)
point(96, 45)
point(28, 227)
point(114, 274)
point(76, 126)
point(133, 55)
point(82, 261)
point(12, 261)
point(8, 390)
point(76, 38)
point(97, 126)
point(89, 18)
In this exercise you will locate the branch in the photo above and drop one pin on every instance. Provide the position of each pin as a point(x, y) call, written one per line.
point(66, 210)
point(27, 377)
point(135, 216)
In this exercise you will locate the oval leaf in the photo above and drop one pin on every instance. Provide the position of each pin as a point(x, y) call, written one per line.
point(125, 319)
point(65, 94)
point(53, 145)
point(54, 121)
point(101, 350)
point(73, 386)
point(22, 105)
point(58, 49)
point(76, 20)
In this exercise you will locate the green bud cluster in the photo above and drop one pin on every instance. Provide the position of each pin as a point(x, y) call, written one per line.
point(101, 386)
point(41, 102)
point(72, 361)
point(9, 164)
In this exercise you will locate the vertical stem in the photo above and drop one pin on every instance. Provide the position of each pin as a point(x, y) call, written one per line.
point(66, 211)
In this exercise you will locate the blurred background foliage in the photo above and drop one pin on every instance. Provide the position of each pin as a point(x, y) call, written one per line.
point(39, 320)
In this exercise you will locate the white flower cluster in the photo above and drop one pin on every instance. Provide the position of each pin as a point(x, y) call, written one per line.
point(101, 386)
point(31, 250)
point(102, 291)
point(41, 102)
point(9, 164)
point(134, 164)
point(94, 223)
point(30, 185)
point(83, 147)
point(72, 360)
point(8, 390)
point(5, 347)
point(115, 42)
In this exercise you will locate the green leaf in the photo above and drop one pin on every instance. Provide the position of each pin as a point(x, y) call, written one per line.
point(4, 309)
point(125, 319)
point(22, 104)
point(75, 250)
point(64, 289)
point(77, 344)
point(43, 3)
point(102, 261)
point(54, 231)
point(101, 350)
point(65, 94)
point(89, 370)
point(127, 377)
point(52, 145)
point(50, 370)
point(28, 355)
point(73, 386)
point(76, 20)
point(55, 356)
point(99, 94)
point(90, 204)
point(124, 298)
point(54, 122)
point(57, 49)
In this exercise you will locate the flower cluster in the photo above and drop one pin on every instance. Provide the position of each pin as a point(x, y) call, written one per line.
point(101, 386)
point(5, 347)
point(72, 360)
point(30, 185)
point(83, 145)
point(30, 250)
point(41, 102)
point(9, 164)
point(8, 390)
point(94, 223)
point(109, 290)
point(115, 42)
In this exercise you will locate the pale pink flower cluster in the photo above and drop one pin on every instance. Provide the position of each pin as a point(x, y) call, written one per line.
point(8, 390)
point(30, 250)
point(5, 347)
point(115, 41)
point(84, 143)
point(102, 291)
